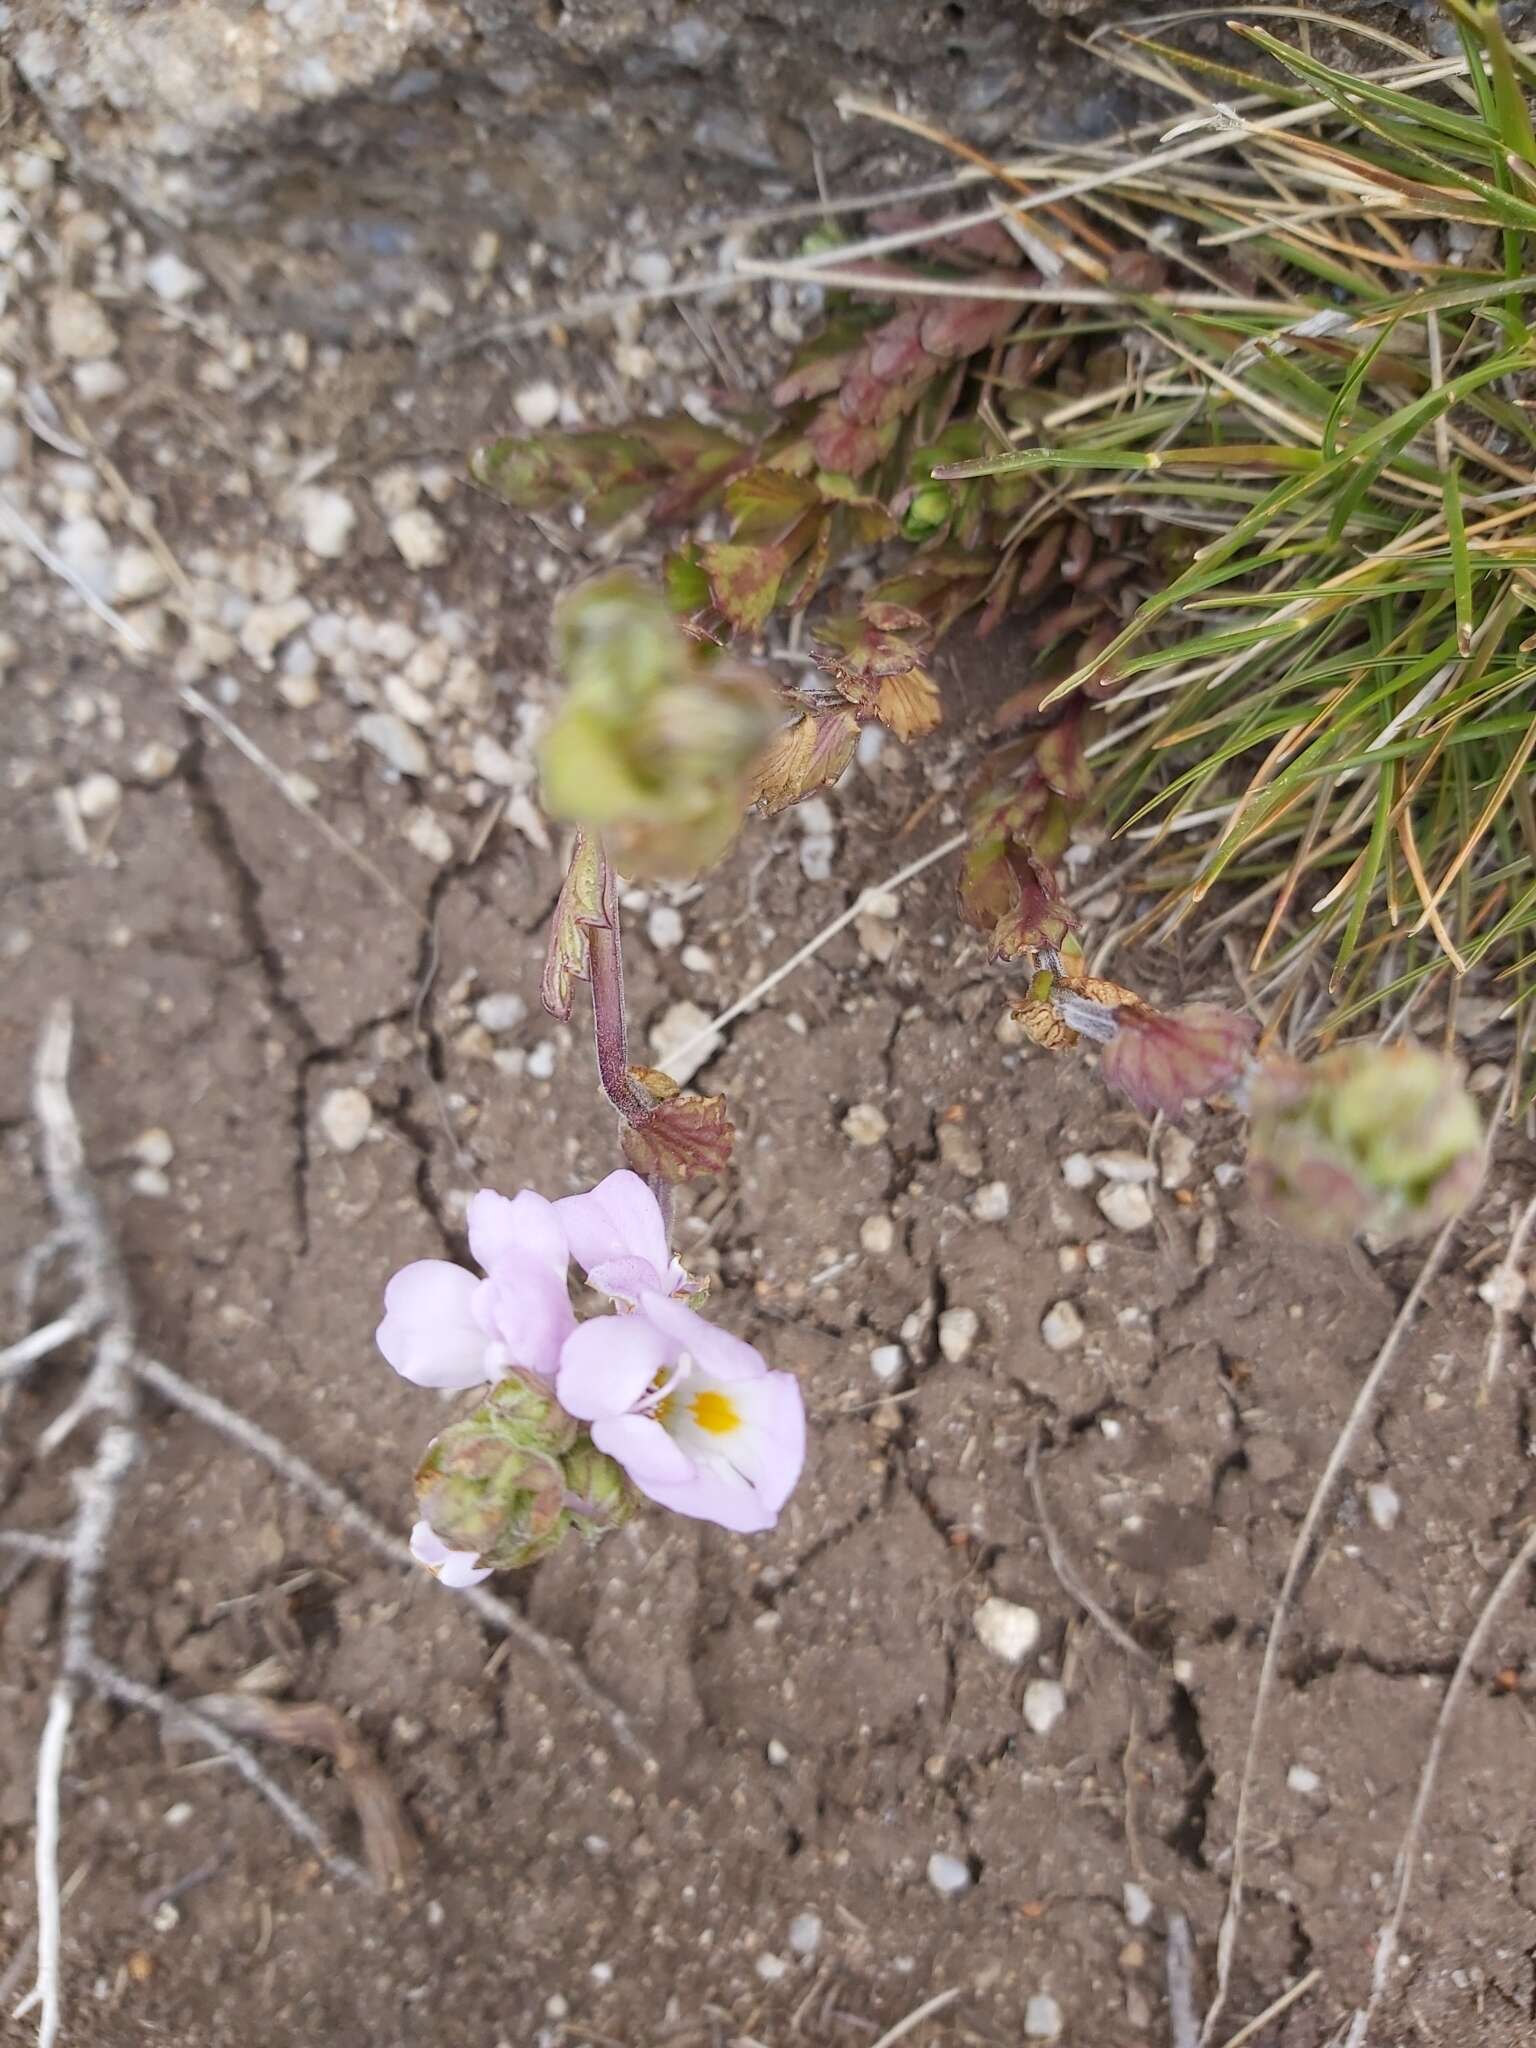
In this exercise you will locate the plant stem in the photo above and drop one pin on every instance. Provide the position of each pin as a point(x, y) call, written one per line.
point(610, 1030)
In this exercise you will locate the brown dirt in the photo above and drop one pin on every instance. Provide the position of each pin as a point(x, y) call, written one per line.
point(229, 969)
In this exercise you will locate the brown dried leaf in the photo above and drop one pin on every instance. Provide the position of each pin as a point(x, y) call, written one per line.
point(745, 581)
point(684, 1138)
point(389, 1848)
point(908, 703)
point(804, 757)
point(586, 902)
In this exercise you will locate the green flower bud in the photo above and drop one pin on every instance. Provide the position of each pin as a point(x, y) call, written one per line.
point(654, 746)
point(597, 1497)
point(1379, 1138)
point(929, 509)
point(493, 1483)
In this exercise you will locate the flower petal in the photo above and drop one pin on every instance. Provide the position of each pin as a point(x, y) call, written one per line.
point(455, 1568)
point(526, 1226)
point(429, 1333)
point(618, 1219)
point(722, 1356)
point(530, 1311)
point(716, 1495)
point(607, 1365)
point(644, 1449)
point(755, 1427)
point(627, 1279)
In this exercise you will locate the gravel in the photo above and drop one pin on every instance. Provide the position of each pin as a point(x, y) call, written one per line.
point(1077, 1170)
point(1125, 1204)
point(888, 1362)
point(865, 1124)
point(1008, 1630)
point(948, 1875)
point(98, 796)
point(419, 538)
point(991, 1204)
point(1382, 1504)
point(1042, 2018)
point(389, 735)
point(1045, 1701)
point(877, 1235)
point(1061, 1327)
point(958, 1329)
point(346, 1117)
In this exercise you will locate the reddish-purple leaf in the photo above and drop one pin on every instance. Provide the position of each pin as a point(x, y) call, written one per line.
point(959, 327)
point(1163, 1060)
point(586, 902)
point(684, 1138)
point(744, 580)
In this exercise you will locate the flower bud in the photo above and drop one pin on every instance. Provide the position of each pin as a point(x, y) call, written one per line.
point(1379, 1138)
point(654, 745)
point(597, 1497)
point(492, 1483)
point(928, 510)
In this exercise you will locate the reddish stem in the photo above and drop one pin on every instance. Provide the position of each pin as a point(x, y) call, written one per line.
point(605, 954)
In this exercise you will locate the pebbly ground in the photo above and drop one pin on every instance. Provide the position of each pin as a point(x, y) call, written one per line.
point(293, 1070)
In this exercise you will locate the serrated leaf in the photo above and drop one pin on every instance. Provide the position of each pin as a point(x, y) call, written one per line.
point(684, 1138)
point(908, 703)
point(764, 504)
point(806, 756)
point(540, 472)
point(687, 580)
point(959, 327)
point(744, 580)
point(844, 445)
point(587, 902)
point(801, 585)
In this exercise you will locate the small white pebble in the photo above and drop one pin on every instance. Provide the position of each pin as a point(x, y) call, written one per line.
point(1061, 1327)
point(419, 538)
point(166, 1916)
point(696, 960)
point(1077, 1170)
point(346, 1117)
point(1382, 1504)
point(816, 851)
point(1045, 1702)
point(958, 1328)
point(776, 1754)
point(1124, 1166)
point(98, 796)
point(1138, 1904)
point(887, 1362)
point(541, 1061)
point(1178, 1157)
point(538, 404)
point(430, 837)
point(169, 278)
point(1005, 1628)
point(499, 1013)
point(1125, 1204)
point(150, 1181)
point(1042, 2017)
point(401, 746)
point(1302, 1780)
point(865, 1124)
point(407, 702)
point(664, 928)
point(877, 1235)
point(153, 1147)
point(601, 1973)
point(326, 519)
point(805, 1933)
point(990, 1204)
point(1229, 1173)
point(178, 1815)
point(948, 1875)
point(139, 575)
point(771, 1968)
point(556, 2007)
point(679, 1028)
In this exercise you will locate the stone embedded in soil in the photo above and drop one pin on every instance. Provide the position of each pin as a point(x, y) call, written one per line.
point(153, 1147)
point(326, 519)
point(172, 280)
point(1177, 1154)
point(140, 574)
point(805, 1933)
point(1061, 1327)
point(78, 327)
point(1124, 1166)
point(419, 538)
point(958, 1328)
point(1302, 1779)
point(1045, 1701)
point(877, 1235)
point(402, 747)
point(429, 836)
point(772, 1969)
point(948, 1875)
point(865, 1124)
point(674, 1031)
point(500, 1012)
point(1042, 2018)
point(888, 1362)
point(538, 404)
point(98, 796)
point(346, 1117)
point(958, 1149)
point(990, 1204)
point(1005, 1628)
point(775, 1753)
point(1125, 1204)
point(664, 928)
point(1382, 1504)
point(1138, 1904)
point(155, 761)
point(1077, 1170)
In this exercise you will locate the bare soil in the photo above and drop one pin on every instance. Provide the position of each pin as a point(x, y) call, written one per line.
point(824, 1715)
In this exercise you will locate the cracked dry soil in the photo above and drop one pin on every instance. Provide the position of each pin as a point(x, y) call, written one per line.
point(825, 1715)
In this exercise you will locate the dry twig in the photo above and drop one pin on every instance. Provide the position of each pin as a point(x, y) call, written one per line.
point(1066, 1571)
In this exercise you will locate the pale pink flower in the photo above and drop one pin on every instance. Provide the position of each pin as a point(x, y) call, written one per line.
point(443, 1327)
point(456, 1568)
point(618, 1237)
point(692, 1413)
